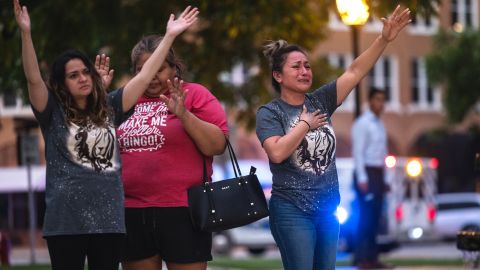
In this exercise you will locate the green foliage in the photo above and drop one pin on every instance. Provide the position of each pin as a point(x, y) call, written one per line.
point(454, 62)
point(230, 32)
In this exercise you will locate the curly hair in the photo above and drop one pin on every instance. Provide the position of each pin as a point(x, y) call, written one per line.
point(97, 110)
point(277, 52)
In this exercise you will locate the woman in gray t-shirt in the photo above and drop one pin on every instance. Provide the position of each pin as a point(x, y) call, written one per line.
point(296, 133)
point(84, 215)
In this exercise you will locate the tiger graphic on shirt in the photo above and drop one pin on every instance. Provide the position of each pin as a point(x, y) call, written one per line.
point(316, 151)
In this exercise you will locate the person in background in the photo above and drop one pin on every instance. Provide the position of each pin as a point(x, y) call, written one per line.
point(177, 127)
point(369, 141)
point(295, 131)
point(84, 215)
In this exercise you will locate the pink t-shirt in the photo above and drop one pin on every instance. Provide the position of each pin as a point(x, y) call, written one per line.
point(160, 161)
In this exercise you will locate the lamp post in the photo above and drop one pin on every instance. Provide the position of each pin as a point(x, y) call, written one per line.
point(28, 156)
point(354, 13)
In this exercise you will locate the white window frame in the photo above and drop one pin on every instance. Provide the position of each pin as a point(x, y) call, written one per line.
point(380, 81)
point(421, 28)
point(423, 105)
point(461, 10)
point(375, 25)
point(19, 109)
point(334, 60)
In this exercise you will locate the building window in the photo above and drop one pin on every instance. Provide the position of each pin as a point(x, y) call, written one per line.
point(423, 95)
point(381, 76)
point(423, 25)
point(464, 14)
point(342, 61)
point(11, 105)
point(9, 100)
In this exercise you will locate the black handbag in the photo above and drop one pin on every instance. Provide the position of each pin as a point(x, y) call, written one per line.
point(226, 204)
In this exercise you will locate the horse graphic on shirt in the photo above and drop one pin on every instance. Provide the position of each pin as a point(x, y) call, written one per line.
point(95, 146)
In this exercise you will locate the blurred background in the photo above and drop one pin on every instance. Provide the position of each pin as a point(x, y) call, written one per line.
point(431, 74)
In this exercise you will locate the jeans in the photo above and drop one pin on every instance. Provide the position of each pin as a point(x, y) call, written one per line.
point(305, 241)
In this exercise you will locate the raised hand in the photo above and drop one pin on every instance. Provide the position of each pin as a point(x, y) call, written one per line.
point(21, 16)
point(185, 20)
point(314, 119)
point(395, 23)
point(102, 65)
point(176, 101)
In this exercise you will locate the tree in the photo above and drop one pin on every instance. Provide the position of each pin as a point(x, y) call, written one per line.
point(231, 33)
point(454, 62)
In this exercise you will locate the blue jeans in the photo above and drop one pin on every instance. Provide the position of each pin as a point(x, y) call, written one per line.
point(305, 241)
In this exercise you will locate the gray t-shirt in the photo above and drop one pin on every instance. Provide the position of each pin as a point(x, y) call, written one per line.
point(308, 178)
point(84, 192)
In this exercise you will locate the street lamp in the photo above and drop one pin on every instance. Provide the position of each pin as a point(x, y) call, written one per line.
point(354, 13)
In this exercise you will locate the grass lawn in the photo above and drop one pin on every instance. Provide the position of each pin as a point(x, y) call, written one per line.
point(275, 264)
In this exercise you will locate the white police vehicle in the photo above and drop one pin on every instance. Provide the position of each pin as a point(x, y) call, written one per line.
point(409, 208)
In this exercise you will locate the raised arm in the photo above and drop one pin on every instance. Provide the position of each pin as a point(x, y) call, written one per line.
point(138, 84)
point(37, 89)
point(362, 64)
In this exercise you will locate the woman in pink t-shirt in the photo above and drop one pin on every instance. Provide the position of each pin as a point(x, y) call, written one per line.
point(175, 126)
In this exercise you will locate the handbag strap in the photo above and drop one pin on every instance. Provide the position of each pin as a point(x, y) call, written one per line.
point(205, 177)
point(238, 174)
point(233, 159)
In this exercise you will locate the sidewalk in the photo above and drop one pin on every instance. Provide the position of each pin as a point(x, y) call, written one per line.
point(21, 256)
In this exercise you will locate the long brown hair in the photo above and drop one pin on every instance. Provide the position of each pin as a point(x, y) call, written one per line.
point(97, 110)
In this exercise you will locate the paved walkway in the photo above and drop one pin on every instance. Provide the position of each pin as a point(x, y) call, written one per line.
point(22, 256)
